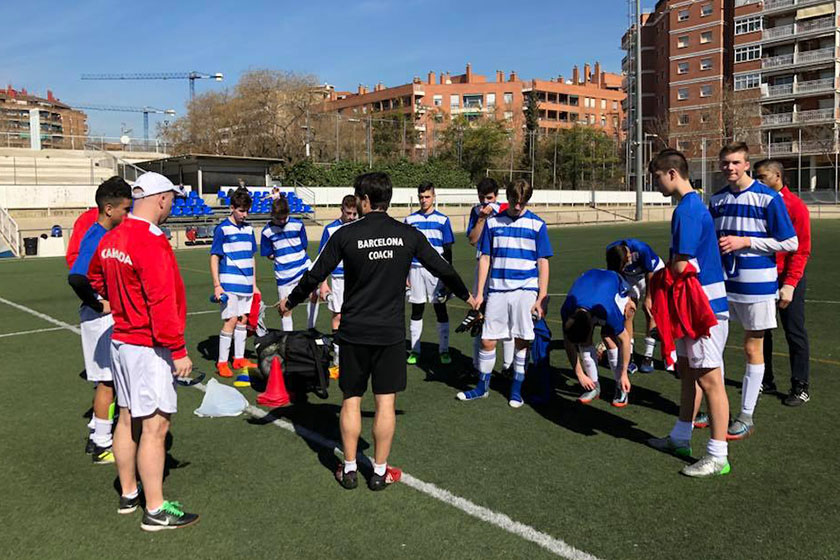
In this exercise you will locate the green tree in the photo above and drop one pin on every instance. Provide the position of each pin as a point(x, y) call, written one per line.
point(532, 124)
point(580, 157)
point(475, 145)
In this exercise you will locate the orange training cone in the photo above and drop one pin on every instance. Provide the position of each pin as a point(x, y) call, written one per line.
point(275, 394)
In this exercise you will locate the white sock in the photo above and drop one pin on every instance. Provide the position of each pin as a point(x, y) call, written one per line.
point(752, 385)
point(476, 350)
point(350, 466)
point(717, 448)
point(588, 362)
point(240, 333)
point(519, 364)
point(311, 314)
point(486, 361)
point(443, 337)
point(286, 323)
point(335, 354)
point(133, 494)
point(92, 424)
point(416, 329)
point(612, 358)
point(650, 345)
point(682, 431)
point(102, 432)
point(508, 350)
point(379, 470)
point(225, 339)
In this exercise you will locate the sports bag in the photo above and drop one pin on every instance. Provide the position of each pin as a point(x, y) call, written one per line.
point(304, 355)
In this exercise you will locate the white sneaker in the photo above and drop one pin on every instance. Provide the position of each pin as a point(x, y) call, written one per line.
point(667, 444)
point(707, 466)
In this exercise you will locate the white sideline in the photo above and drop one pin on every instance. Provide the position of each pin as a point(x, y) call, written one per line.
point(500, 520)
point(35, 331)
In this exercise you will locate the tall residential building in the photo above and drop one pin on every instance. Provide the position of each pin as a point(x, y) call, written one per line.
point(591, 97)
point(762, 72)
point(57, 124)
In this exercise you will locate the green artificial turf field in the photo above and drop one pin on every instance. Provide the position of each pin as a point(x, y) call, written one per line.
point(580, 474)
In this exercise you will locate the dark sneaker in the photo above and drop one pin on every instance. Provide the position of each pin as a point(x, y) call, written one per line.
point(381, 482)
point(768, 388)
point(798, 395)
point(102, 455)
point(129, 505)
point(647, 365)
point(347, 480)
point(89, 447)
point(170, 516)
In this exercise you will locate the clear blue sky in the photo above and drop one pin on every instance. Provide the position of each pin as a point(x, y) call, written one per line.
point(344, 43)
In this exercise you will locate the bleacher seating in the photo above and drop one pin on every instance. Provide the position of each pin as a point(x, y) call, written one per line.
point(261, 202)
point(191, 207)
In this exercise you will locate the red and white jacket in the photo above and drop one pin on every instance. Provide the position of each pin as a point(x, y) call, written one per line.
point(135, 269)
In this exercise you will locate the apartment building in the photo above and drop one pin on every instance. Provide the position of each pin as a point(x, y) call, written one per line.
point(59, 125)
point(592, 97)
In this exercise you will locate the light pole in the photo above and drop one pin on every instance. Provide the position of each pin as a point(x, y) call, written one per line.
point(639, 178)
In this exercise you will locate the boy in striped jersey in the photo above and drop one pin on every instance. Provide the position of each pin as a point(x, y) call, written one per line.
point(752, 225)
point(233, 270)
point(514, 251)
point(424, 287)
point(283, 241)
point(334, 294)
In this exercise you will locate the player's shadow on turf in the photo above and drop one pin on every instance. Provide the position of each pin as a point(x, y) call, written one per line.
point(456, 374)
point(209, 349)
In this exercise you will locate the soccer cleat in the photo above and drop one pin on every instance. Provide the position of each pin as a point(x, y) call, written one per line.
point(170, 516)
point(632, 368)
point(768, 388)
point(378, 482)
point(701, 420)
point(223, 369)
point(347, 480)
point(89, 447)
point(473, 394)
point(707, 466)
point(740, 428)
point(515, 400)
point(673, 446)
point(333, 372)
point(620, 398)
point(412, 358)
point(647, 365)
point(102, 455)
point(445, 358)
point(129, 505)
point(798, 395)
point(242, 380)
point(244, 364)
point(589, 396)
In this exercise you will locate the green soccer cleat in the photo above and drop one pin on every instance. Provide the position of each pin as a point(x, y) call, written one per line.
point(445, 358)
point(673, 446)
point(102, 455)
point(707, 466)
point(412, 359)
point(170, 516)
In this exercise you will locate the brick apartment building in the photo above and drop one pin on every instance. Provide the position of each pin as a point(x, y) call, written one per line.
point(592, 97)
point(763, 72)
point(60, 126)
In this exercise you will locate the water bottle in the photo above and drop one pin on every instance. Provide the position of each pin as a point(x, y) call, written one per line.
point(221, 299)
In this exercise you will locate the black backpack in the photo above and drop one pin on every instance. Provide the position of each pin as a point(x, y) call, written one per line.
point(304, 355)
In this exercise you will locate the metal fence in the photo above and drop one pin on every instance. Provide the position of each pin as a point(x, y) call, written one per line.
point(74, 142)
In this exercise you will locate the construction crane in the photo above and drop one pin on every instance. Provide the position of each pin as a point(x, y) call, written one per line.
point(145, 110)
point(191, 76)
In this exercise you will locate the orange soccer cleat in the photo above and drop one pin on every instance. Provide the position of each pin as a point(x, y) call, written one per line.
point(223, 369)
point(243, 363)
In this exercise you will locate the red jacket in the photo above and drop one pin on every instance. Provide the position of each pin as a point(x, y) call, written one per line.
point(80, 227)
point(135, 269)
point(791, 266)
point(680, 309)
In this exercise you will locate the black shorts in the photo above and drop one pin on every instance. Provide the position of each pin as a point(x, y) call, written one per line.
point(384, 364)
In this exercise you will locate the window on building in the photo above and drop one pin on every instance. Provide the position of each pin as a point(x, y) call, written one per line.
point(744, 54)
point(603, 122)
point(574, 101)
point(706, 10)
point(682, 94)
point(508, 115)
point(615, 122)
point(473, 101)
point(615, 105)
point(682, 68)
point(704, 118)
point(591, 118)
point(705, 37)
point(683, 120)
point(454, 101)
point(682, 41)
point(705, 91)
point(438, 100)
point(747, 81)
point(491, 99)
point(747, 25)
point(705, 64)
point(682, 15)
point(604, 104)
point(508, 98)
point(682, 145)
point(573, 117)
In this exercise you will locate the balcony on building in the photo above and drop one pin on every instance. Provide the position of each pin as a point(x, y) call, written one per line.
point(824, 55)
point(795, 118)
point(782, 6)
point(798, 87)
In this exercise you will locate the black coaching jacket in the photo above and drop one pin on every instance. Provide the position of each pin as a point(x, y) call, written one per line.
point(377, 251)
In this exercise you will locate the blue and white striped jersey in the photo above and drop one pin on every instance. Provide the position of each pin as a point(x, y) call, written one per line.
point(235, 245)
point(330, 229)
point(603, 293)
point(435, 226)
point(643, 259)
point(287, 243)
point(514, 245)
point(757, 211)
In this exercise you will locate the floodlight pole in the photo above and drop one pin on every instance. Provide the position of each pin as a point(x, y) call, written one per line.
point(639, 132)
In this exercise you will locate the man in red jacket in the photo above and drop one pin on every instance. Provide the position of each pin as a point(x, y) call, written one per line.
point(791, 269)
point(135, 269)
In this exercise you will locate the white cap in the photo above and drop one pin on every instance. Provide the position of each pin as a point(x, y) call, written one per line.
point(151, 183)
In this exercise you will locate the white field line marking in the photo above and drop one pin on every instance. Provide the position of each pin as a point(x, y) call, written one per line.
point(21, 333)
point(40, 315)
point(500, 520)
point(546, 541)
point(205, 312)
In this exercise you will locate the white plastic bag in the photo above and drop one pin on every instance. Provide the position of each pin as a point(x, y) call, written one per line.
point(221, 400)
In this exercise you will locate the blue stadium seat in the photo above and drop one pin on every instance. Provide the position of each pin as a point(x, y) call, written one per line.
point(177, 211)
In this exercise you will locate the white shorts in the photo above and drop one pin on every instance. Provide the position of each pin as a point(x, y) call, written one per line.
point(237, 305)
point(286, 289)
point(637, 290)
point(706, 352)
point(508, 315)
point(425, 287)
point(757, 316)
point(96, 343)
point(143, 379)
point(336, 299)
